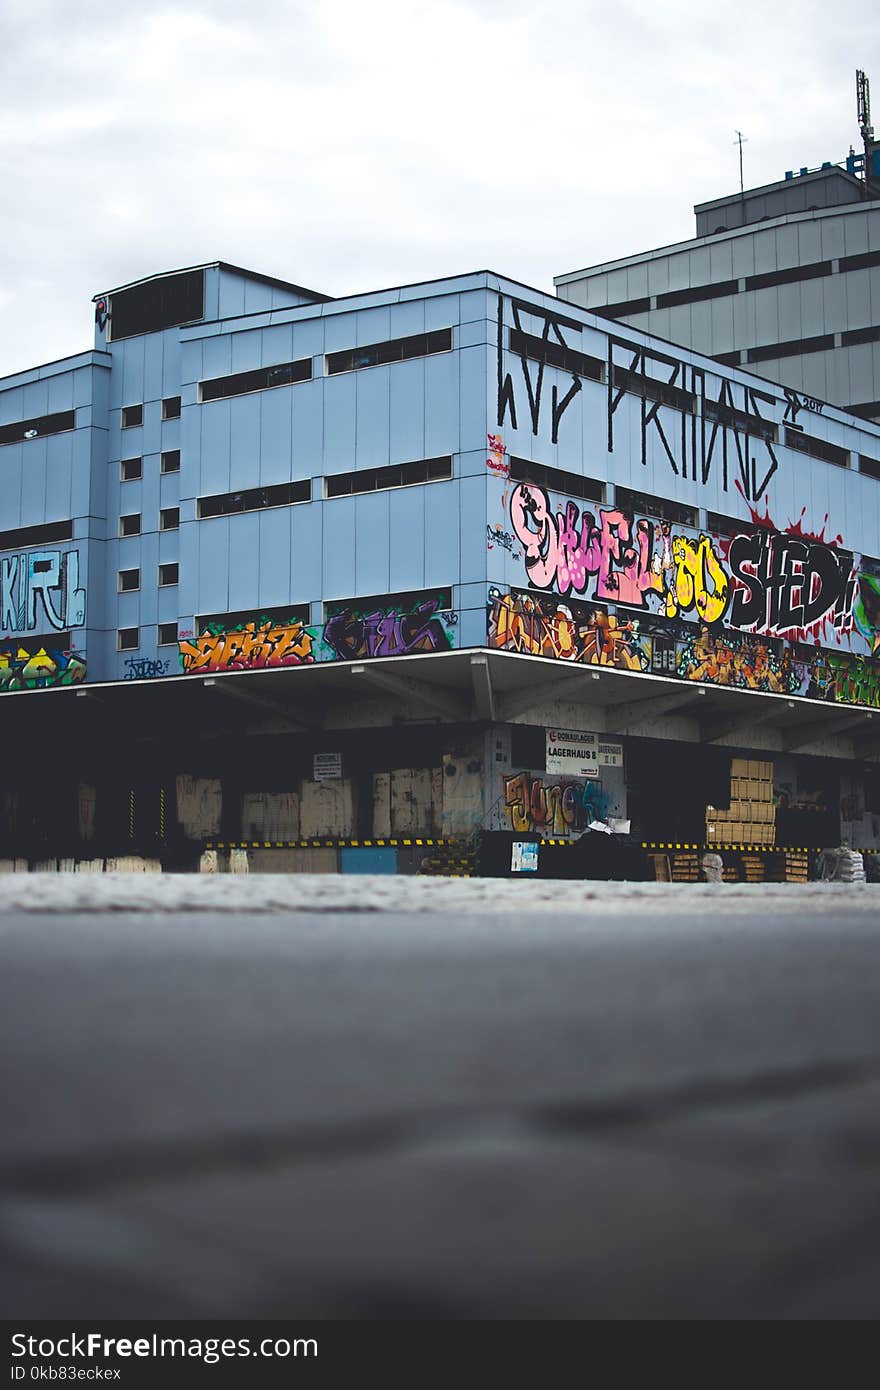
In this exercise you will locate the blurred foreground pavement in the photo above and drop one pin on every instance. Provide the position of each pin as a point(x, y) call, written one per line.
point(598, 1101)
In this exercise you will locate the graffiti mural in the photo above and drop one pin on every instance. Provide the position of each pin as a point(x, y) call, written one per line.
point(725, 658)
point(348, 635)
point(249, 648)
point(41, 586)
point(540, 626)
point(351, 635)
point(535, 804)
point(24, 670)
point(795, 583)
point(627, 559)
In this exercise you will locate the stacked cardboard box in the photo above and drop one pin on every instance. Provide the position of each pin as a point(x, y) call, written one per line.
point(751, 817)
point(686, 868)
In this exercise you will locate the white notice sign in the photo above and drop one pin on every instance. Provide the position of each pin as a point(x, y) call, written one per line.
point(327, 767)
point(573, 752)
point(611, 755)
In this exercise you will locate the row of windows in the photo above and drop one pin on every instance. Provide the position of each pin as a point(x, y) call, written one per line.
point(128, 639)
point(556, 480)
point(131, 469)
point(129, 581)
point(626, 308)
point(130, 524)
point(46, 534)
point(360, 481)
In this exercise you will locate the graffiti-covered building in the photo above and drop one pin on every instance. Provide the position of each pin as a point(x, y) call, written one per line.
point(447, 558)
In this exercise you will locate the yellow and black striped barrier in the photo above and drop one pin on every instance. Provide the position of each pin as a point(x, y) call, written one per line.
point(323, 844)
point(751, 849)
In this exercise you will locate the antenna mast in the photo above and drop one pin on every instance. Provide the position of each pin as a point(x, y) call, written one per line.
point(863, 115)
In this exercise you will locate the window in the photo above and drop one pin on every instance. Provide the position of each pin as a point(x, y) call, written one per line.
point(130, 525)
point(661, 507)
point(37, 428)
point(397, 475)
point(870, 467)
point(132, 415)
point(719, 290)
point(796, 347)
point(652, 389)
point(728, 359)
point(855, 336)
point(171, 408)
point(167, 635)
point(45, 534)
point(718, 413)
point(285, 616)
point(556, 480)
point(169, 518)
point(128, 581)
point(128, 639)
point(171, 461)
point(262, 379)
point(439, 599)
point(556, 355)
point(625, 308)
point(786, 277)
point(816, 448)
point(164, 302)
point(254, 499)
point(131, 469)
point(397, 350)
point(860, 262)
point(720, 525)
point(168, 574)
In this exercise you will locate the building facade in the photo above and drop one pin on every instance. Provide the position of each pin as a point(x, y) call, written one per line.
point(783, 281)
point(446, 560)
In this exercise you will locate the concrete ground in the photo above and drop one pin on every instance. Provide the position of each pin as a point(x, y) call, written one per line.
point(615, 1101)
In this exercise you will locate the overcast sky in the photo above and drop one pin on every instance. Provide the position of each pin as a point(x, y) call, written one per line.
point(349, 146)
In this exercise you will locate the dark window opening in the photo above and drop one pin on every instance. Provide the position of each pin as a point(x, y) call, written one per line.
point(719, 525)
point(402, 602)
point(863, 261)
point(128, 639)
point(556, 355)
point(653, 389)
point(743, 420)
point(556, 480)
point(167, 635)
point(795, 347)
point(285, 616)
point(45, 534)
point(130, 525)
point(396, 350)
point(169, 574)
point(663, 508)
point(36, 642)
point(727, 359)
point(162, 303)
point(254, 499)
point(37, 428)
point(132, 415)
point(129, 580)
point(395, 475)
point(169, 518)
point(131, 469)
point(528, 747)
point(171, 408)
point(623, 309)
point(171, 461)
point(261, 379)
point(720, 290)
point(816, 448)
point(786, 277)
point(866, 410)
point(870, 467)
point(854, 336)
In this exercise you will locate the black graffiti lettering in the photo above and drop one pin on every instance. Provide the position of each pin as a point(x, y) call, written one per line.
point(559, 407)
point(832, 572)
point(749, 603)
point(789, 596)
point(505, 383)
